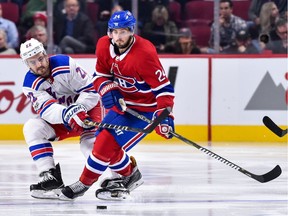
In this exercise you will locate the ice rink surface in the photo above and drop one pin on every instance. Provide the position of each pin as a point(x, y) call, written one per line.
point(179, 180)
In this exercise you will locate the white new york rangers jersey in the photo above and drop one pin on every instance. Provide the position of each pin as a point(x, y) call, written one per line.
point(67, 84)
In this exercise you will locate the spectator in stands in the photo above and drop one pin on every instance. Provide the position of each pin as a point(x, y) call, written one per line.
point(74, 31)
point(256, 5)
point(229, 25)
point(160, 31)
point(40, 18)
point(242, 44)
point(11, 31)
point(102, 24)
point(39, 32)
point(185, 44)
point(59, 7)
point(32, 7)
point(269, 14)
point(278, 38)
point(4, 49)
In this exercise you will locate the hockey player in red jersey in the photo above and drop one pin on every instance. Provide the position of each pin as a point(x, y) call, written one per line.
point(127, 68)
point(62, 93)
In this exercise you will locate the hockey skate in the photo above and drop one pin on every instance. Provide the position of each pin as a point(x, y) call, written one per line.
point(120, 188)
point(73, 191)
point(50, 185)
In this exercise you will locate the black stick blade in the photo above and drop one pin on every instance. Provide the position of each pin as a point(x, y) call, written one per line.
point(273, 127)
point(274, 173)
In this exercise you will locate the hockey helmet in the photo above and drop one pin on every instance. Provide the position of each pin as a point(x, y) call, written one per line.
point(30, 48)
point(122, 19)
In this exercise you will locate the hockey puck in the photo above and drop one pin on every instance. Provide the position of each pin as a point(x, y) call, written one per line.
point(101, 207)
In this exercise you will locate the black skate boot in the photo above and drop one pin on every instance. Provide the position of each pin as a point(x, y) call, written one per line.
point(114, 190)
point(50, 185)
point(129, 182)
point(72, 191)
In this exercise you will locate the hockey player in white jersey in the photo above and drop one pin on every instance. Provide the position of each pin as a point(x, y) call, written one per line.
point(62, 94)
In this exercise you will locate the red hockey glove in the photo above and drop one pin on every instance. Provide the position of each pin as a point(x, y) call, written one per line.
point(165, 126)
point(74, 116)
point(110, 95)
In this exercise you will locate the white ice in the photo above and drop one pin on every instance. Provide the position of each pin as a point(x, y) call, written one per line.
point(179, 180)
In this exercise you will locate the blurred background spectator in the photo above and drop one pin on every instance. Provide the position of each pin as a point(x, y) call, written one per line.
point(74, 31)
point(256, 5)
point(160, 31)
point(102, 24)
point(268, 16)
point(185, 44)
point(40, 18)
point(242, 44)
point(39, 32)
point(229, 25)
point(11, 31)
point(278, 38)
point(4, 49)
point(173, 14)
point(31, 8)
point(59, 7)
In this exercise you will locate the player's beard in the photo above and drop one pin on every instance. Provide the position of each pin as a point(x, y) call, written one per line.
point(43, 71)
point(125, 45)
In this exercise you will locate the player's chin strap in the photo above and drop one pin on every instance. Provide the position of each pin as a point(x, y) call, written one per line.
point(274, 173)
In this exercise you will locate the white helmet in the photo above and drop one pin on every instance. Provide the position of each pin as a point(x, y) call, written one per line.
point(30, 48)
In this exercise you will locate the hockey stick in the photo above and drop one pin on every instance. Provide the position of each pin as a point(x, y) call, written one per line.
point(152, 126)
point(268, 122)
point(274, 173)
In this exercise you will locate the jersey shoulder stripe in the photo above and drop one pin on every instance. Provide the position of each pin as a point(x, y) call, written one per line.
point(33, 81)
point(59, 64)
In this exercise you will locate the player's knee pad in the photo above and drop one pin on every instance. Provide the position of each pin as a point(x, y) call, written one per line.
point(37, 131)
point(86, 143)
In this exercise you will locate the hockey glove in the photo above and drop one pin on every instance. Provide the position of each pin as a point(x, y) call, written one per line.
point(110, 95)
point(74, 116)
point(165, 126)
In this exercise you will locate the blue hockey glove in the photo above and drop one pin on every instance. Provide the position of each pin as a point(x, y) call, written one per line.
point(110, 95)
point(74, 116)
point(165, 126)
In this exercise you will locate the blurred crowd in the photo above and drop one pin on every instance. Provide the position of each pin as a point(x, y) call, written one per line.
point(179, 27)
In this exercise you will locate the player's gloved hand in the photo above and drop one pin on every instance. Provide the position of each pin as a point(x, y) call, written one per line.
point(110, 95)
point(165, 126)
point(74, 116)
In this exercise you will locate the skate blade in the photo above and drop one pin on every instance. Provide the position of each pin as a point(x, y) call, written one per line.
point(40, 194)
point(113, 196)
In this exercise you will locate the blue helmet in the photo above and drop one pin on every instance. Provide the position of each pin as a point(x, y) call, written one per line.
point(122, 19)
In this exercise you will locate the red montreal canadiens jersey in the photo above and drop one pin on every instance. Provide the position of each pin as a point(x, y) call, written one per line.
point(138, 72)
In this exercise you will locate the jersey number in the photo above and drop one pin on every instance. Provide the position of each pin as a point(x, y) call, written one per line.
point(161, 75)
point(81, 72)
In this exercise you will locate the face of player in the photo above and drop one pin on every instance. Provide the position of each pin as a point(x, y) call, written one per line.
point(121, 37)
point(39, 64)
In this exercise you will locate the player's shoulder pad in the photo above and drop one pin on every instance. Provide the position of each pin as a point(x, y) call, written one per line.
point(146, 47)
point(103, 43)
point(32, 80)
point(59, 60)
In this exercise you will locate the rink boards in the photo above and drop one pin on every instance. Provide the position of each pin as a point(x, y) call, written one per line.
point(217, 98)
